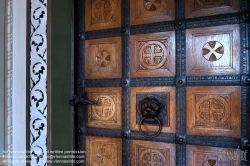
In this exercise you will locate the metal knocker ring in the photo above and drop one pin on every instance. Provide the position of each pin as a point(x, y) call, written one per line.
point(150, 136)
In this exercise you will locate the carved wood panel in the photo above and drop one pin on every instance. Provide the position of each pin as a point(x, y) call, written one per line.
point(103, 151)
point(211, 156)
point(158, 54)
point(107, 112)
point(213, 50)
point(152, 153)
point(103, 58)
point(214, 111)
point(166, 95)
point(197, 8)
point(153, 55)
point(102, 14)
point(146, 11)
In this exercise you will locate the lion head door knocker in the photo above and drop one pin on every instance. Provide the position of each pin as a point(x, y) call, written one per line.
point(150, 109)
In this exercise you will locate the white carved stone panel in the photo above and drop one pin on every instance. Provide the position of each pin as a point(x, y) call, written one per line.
point(38, 83)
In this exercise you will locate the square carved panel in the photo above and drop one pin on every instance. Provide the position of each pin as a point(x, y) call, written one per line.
point(144, 95)
point(153, 55)
point(211, 156)
point(152, 153)
point(103, 58)
point(214, 111)
point(102, 14)
point(144, 11)
point(103, 151)
point(107, 112)
point(197, 8)
point(213, 50)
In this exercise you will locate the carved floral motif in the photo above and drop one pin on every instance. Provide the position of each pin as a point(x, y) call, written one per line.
point(38, 86)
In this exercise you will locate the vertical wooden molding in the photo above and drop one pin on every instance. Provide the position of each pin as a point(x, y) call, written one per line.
point(9, 84)
point(38, 82)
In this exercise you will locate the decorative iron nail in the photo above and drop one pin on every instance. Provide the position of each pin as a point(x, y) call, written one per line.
point(180, 81)
point(247, 79)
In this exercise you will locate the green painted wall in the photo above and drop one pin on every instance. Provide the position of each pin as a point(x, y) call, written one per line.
point(61, 55)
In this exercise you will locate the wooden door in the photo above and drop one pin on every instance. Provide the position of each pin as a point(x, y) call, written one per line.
point(189, 60)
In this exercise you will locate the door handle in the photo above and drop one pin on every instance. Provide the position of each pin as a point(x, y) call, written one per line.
point(150, 109)
point(76, 99)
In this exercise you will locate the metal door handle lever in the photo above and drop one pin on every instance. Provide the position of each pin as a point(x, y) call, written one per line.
point(77, 99)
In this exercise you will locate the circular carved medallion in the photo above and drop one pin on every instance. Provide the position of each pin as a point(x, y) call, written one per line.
point(151, 157)
point(153, 55)
point(105, 107)
point(103, 10)
point(103, 58)
point(212, 51)
point(212, 111)
point(152, 5)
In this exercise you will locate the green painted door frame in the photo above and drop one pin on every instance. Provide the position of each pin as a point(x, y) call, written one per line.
point(60, 75)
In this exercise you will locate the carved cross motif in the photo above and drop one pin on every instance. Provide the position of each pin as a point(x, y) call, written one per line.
point(153, 54)
point(104, 107)
point(212, 110)
point(152, 159)
point(103, 58)
point(212, 51)
point(103, 10)
point(152, 5)
point(212, 162)
point(103, 154)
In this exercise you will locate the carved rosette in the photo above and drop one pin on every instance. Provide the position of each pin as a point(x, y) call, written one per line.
point(38, 82)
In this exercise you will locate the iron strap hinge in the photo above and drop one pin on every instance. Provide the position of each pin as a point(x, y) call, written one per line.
point(76, 99)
